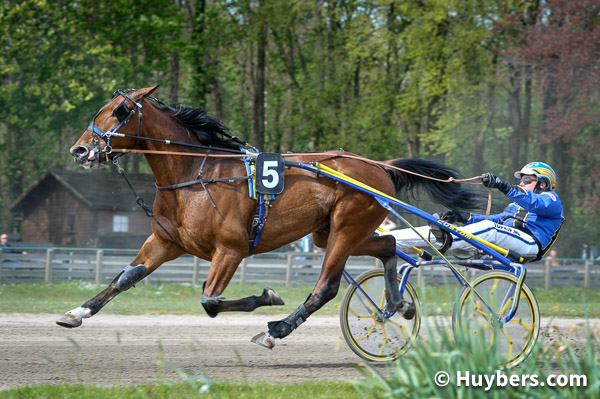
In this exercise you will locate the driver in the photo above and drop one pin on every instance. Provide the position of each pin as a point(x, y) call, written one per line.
point(528, 226)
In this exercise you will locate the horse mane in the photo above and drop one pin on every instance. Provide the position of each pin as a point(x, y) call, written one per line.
point(208, 129)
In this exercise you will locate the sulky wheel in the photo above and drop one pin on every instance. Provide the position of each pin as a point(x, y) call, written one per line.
point(471, 318)
point(372, 333)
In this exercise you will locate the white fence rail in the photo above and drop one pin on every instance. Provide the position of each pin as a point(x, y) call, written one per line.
point(59, 265)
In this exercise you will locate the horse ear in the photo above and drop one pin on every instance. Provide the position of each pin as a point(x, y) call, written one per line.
point(141, 93)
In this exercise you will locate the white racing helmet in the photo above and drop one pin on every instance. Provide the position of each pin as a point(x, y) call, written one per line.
point(540, 170)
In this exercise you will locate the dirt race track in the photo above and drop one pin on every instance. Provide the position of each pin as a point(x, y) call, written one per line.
point(113, 350)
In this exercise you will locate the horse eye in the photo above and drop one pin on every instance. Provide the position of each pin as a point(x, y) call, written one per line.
point(121, 112)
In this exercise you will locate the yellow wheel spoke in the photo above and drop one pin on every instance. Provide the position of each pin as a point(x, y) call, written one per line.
point(486, 315)
point(368, 334)
point(510, 343)
point(400, 327)
point(515, 337)
point(506, 306)
point(372, 329)
point(479, 329)
point(384, 343)
point(358, 316)
point(494, 286)
point(372, 317)
point(492, 338)
point(528, 327)
point(367, 331)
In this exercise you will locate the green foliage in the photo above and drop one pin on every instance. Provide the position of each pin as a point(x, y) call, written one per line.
point(414, 375)
point(384, 79)
point(60, 61)
point(191, 389)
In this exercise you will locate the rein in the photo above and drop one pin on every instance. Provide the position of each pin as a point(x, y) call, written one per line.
point(140, 201)
point(199, 179)
point(241, 154)
point(138, 106)
point(123, 114)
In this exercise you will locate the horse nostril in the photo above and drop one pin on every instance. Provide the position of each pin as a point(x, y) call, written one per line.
point(79, 151)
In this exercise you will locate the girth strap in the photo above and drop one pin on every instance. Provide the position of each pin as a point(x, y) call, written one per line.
point(258, 221)
point(201, 181)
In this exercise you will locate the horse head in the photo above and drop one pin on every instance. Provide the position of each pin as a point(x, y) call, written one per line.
point(118, 123)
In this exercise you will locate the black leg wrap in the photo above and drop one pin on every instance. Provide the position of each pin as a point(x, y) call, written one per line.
point(392, 293)
point(130, 276)
point(283, 328)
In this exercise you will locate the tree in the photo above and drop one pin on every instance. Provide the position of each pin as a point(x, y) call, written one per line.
point(562, 49)
point(59, 62)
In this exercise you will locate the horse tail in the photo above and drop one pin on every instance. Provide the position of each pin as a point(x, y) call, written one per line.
point(418, 175)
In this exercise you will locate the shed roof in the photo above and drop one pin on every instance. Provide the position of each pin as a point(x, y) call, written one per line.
point(96, 189)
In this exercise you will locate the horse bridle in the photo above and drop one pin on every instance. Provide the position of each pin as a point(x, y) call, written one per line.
point(123, 114)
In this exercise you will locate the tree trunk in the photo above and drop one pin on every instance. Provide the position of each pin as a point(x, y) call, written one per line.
point(519, 108)
point(199, 77)
point(174, 73)
point(6, 196)
point(258, 102)
point(217, 99)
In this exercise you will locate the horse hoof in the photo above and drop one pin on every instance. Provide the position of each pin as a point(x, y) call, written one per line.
point(264, 339)
point(405, 309)
point(69, 321)
point(274, 298)
point(73, 318)
point(408, 310)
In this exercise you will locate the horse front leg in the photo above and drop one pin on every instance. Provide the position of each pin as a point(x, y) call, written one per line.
point(222, 268)
point(152, 254)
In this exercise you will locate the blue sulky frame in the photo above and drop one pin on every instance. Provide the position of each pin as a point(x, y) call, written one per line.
point(500, 262)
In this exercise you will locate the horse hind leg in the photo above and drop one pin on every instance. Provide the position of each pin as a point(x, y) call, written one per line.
point(394, 301)
point(384, 248)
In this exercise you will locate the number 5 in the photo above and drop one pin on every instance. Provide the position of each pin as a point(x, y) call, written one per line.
point(270, 176)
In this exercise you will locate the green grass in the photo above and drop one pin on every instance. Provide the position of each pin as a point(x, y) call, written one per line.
point(143, 299)
point(312, 389)
point(414, 375)
point(568, 301)
point(410, 377)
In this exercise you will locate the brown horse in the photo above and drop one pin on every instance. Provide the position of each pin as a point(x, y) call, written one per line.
point(212, 221)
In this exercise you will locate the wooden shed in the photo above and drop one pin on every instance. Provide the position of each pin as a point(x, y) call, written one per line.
point(86, 209)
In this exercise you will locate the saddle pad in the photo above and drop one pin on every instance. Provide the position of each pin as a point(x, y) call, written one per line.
point(251, 172)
